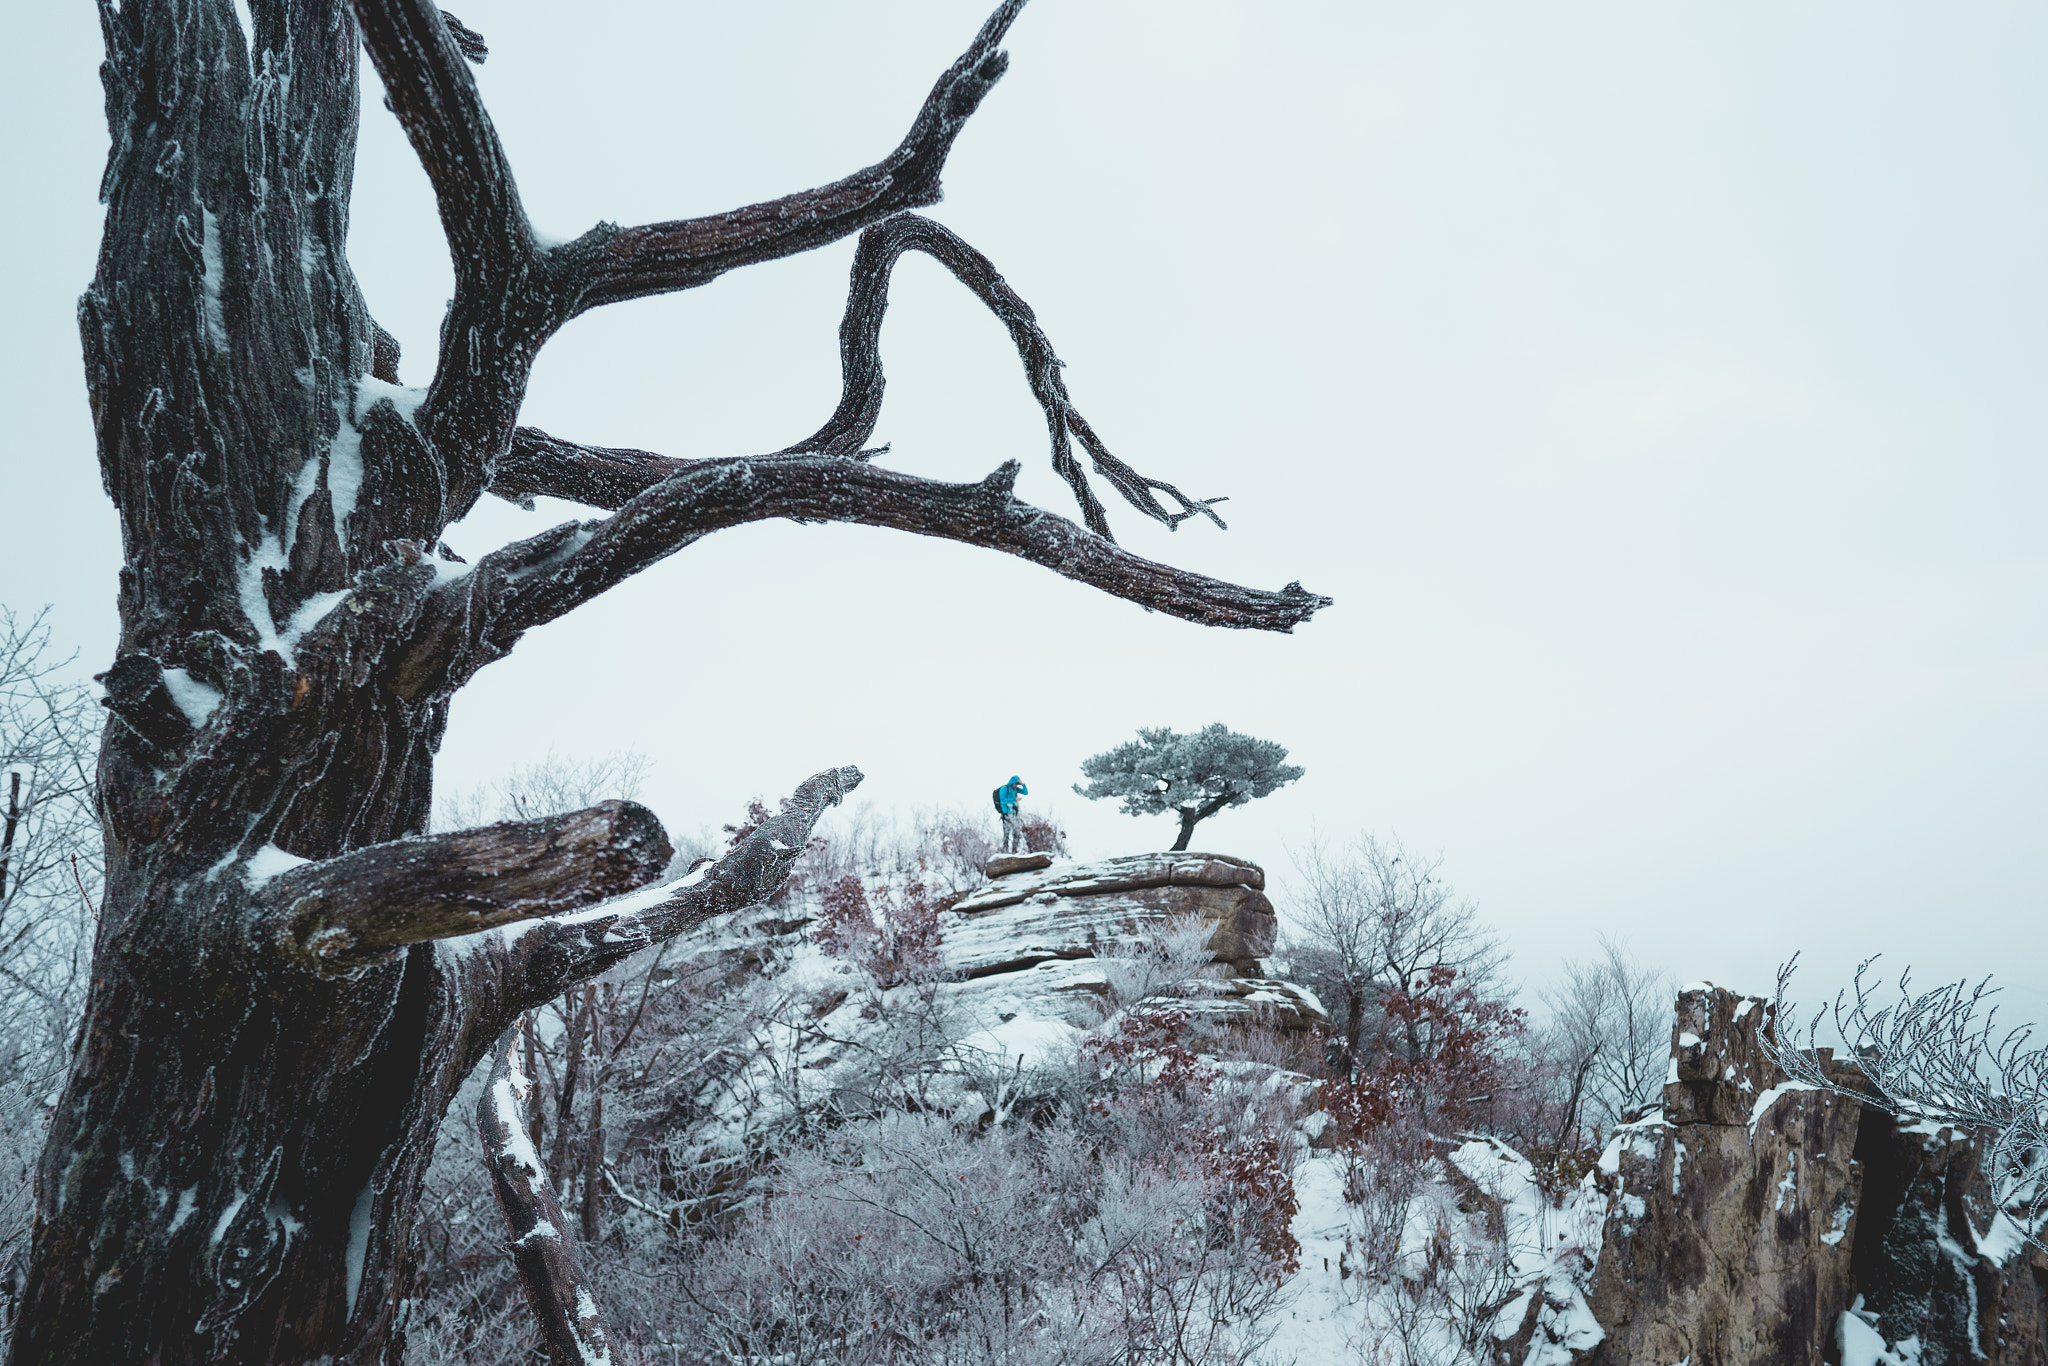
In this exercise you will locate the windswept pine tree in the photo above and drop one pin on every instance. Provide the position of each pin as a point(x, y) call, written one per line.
point(1193, 777)
point(291, 977)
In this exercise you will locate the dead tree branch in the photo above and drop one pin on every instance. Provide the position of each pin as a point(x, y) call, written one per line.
point(344, 913)
point(539, 465)
point(549, 1270)
point(661, 257)
point(860, 361)
point(558, 953)
point(534, 581)
point(512, 293)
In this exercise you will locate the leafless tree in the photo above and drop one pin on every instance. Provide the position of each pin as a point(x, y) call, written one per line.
point(49, 846)
point(552, 785)
point(49, 884)
point(1611, 1028)
point(1374, 915)
point(291, 978)
point(1938, 1057)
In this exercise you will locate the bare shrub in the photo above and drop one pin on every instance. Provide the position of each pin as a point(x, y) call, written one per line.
point(1611, 1031)
point(1041, 836)
point(549, 786)
point(50, 862)
point(1373, 916)
point(955, 844)
point(893, 934)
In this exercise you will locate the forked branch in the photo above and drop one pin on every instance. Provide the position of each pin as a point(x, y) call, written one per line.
point(860, 362)
point(556, 954)
point(660, 257)
point(512, 293)
point(605, 477)
point(344, 913)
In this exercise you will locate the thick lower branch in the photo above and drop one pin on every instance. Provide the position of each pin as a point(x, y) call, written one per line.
point(344, 913)
point(549, 1270)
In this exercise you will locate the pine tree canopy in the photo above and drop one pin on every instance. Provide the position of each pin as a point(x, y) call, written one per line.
point(1192, 776)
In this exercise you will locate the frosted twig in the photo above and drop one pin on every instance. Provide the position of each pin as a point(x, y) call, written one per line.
point(1937, 1057)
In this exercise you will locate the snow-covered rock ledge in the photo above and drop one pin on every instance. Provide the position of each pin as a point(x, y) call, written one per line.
point(1036, 908)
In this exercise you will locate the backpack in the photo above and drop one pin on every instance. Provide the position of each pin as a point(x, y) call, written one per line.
point(997, 797)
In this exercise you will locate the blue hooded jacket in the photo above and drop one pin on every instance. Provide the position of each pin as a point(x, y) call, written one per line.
point(1008, 793)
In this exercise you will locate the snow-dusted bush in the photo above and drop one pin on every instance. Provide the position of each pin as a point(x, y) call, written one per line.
point(1172, 954)
point(893, 933)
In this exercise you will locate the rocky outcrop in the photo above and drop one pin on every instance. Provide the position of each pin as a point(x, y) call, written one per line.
point(1728, 1233)
point(1066, 909)
point(1752, 1221)
point(1039, 928)
point(1935, 1261)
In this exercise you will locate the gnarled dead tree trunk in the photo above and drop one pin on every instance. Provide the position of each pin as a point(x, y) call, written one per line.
point(290, 978)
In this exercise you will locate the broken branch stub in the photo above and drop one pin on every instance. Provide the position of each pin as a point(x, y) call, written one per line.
point(554, 955)
point(344, 913)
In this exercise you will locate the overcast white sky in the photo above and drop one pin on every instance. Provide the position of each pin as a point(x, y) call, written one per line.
point(1656, 387)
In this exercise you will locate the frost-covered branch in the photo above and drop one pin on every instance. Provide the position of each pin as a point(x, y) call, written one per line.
point(660, 257)
point(543, 466)
point(421, 58)
point(860, 361)
point(556, 954)
point(540, 464)
point(1938, 1057)
point(344, 913)
point(549, 1269)
point(512, 292)
point(535, 581)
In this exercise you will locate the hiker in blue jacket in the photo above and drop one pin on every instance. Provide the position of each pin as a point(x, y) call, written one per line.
point(1013, 820)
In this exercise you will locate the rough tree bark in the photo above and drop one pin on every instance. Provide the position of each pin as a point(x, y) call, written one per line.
point(290, 979)
point(1192, 816)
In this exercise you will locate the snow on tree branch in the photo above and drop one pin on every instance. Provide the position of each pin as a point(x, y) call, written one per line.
point(1937, 1057)
point(549, 1270)
point(535, 581)
point(512, 291)
point(344, 913)
point(556, 954)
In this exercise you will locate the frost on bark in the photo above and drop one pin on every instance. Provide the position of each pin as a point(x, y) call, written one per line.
point(291, 977)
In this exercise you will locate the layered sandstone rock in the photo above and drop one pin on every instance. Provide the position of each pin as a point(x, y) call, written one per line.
point(1039, 928)
point(1067, 909)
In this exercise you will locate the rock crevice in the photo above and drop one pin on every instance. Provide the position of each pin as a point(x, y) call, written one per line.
point(1753, 1221)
